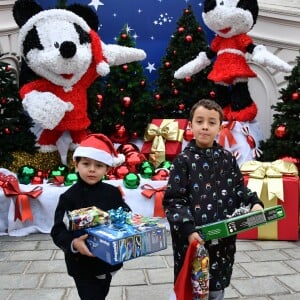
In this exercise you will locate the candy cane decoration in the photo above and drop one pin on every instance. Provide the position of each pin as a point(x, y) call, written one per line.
point(250, 140)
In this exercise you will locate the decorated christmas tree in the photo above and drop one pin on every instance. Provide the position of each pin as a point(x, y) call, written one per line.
point(284, 141)
point(174, 97)
point(15, 134)
point(124, 109)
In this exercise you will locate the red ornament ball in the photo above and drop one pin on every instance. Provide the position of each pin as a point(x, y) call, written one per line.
point(199, 29)
point(188, 79)
point(157, 96)
point(37, 180)
point(180, 29)
point(143, 82)
point(167, 64)
point(100, 98)
point(135, 135)
point(126, 101)
point(181, 106)
point(188, 134)
point(127, 148)
point(125, 67)
point(280, 131)
point(187, 11)
point(175, 92)
point(4, 101)
point(161, 174)
point(121, 171)
point(189, 38)
point(121, 131)
point(7, 131)
point(212, 94)
point(295, 96)
point(124, 36)
point(133, 160)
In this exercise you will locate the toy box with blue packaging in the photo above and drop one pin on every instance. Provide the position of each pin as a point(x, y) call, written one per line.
point(118, 243)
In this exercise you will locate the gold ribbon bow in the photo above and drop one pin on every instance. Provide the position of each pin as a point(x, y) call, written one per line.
point(272, 173)
point(266, 179)
point(167, 131)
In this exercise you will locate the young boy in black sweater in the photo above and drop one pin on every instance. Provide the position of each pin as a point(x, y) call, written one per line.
point(205, 185)
point(93, 158)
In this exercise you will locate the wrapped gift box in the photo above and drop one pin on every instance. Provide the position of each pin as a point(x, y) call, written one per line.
point(163, 139)
point(115, 244)
point(287, 228)
point(85, 217)
point(241, 223)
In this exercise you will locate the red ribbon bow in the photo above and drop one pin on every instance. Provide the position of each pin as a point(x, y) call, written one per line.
point(149, 191)
point(226, 133)
point(57, 180)
point(22, 206)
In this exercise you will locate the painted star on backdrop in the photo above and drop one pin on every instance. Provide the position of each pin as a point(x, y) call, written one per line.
point(150, 67)
point(128, 28)
point(95, 4)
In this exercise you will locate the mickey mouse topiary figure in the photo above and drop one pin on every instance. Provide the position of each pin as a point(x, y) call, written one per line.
point(62, 55)
point(231, 20)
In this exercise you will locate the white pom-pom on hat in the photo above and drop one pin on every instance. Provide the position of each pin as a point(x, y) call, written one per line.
point(99, 147)
point(102, 66)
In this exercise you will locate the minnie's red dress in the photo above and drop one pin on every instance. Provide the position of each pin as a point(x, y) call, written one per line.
point(230, 62)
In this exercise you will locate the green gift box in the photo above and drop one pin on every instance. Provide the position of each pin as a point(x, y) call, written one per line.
point(241, 223)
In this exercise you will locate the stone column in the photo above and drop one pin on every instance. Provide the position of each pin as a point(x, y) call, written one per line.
point(8, 34)
point(278, 28)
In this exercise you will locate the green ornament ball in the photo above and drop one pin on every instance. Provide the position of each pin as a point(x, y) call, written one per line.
point(70, 179)
point(54, 173)
point(131, 181)
point(25, 174)
point(165, 165)
point(146, 169)
point(63, 169)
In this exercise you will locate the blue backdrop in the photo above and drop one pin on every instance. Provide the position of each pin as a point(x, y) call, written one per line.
point(151, 23)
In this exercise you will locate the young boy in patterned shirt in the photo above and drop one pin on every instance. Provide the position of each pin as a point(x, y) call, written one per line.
point(205, 185)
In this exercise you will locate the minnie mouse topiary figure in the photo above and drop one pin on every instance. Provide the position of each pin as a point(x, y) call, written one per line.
point(231, 20)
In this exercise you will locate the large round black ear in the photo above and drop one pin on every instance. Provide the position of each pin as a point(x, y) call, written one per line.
point(251, 6)
point(86, 13)
point(209, 5)
point(23, 10)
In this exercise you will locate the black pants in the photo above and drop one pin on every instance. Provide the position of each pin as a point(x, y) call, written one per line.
point(92, 288)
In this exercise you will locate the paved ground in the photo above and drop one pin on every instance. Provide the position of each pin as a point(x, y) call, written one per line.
point(33, 268)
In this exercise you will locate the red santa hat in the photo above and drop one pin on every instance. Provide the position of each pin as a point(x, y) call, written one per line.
point(102, 66)
point(99, 147)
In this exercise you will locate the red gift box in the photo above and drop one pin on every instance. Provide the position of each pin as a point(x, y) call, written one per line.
point(163, 139)
point(287, 228)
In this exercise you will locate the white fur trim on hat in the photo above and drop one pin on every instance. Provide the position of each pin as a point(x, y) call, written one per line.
point(95, 154)
point(99, 147)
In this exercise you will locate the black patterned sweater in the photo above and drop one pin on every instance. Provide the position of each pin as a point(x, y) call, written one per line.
point(205, 185)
